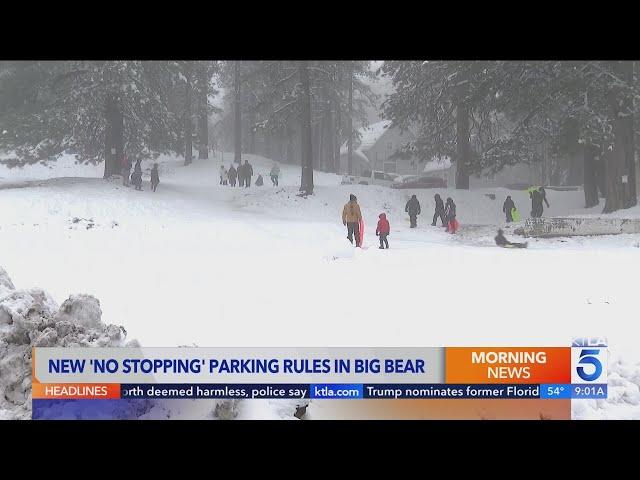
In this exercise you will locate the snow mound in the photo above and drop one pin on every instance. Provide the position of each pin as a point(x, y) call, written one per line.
point(31, 318)
point(6, 285)
point(82, 309)
point(623, 394)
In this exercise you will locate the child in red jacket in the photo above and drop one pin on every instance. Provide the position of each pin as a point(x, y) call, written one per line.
point(383, 229)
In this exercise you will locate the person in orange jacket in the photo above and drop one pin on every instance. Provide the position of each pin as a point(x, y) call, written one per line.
point(351, 216)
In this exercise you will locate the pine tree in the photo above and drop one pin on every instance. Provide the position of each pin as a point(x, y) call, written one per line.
point(103, 110)
point(449, 103)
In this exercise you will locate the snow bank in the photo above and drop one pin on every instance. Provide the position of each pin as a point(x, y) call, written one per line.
point(6, 285)
point(66, 165)
point(623, 402)
point(585, 226)
point(31, 318)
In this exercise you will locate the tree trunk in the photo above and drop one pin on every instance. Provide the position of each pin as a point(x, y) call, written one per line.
point(350, 139)
point(306, 156)
point(317, 152)
point(576, 157)
point(290, 154)
point(238, 118)
point(267, 143)
point(203, 119)
point(617, 155)
point(631, 198)
point(601, 174)
point(614, 158)
point(252, 133)
point(590, 184)
point(462, 145)
point(188, 120)
point(114, 138)
point(337, 137)
point(329, 139)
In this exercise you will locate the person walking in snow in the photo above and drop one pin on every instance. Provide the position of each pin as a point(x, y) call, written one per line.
point(543, 195)
point(274, 174)
point(413, 209)
point(136, 177)
point(155, 177)
point(507, 208)
point(223, 175)
point(351, 216)
point(248, 173)
point(232, 174)
point(383, 229)
point(450, 214)
point(240, 171)
point(537, 195)
point(126, 171)
point(439, 210)
point(259, 181)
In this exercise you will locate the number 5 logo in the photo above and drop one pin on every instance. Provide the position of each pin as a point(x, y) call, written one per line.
point(589, 357)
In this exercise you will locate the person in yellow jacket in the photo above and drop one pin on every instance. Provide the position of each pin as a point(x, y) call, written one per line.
point(351, 216)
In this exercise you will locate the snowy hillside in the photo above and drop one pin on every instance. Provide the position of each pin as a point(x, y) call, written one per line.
point(197, 262)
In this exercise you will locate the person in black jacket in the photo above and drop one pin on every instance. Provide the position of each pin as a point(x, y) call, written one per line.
point(248, 173)
point(413, 209)
point(136, 176)
point(507, 207)
point(538, 195)
point(155, 177)
point(240, 171)
point(439, 210)
point(232, 174)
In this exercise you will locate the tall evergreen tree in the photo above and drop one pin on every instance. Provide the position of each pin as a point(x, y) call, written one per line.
point(103, 110)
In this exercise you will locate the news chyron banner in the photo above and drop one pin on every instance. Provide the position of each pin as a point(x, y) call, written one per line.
point(318, 383)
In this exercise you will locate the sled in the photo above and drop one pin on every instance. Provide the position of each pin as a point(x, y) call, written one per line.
point(515, 215)
point(452, 226)
point(515, 245)
point(361, 239)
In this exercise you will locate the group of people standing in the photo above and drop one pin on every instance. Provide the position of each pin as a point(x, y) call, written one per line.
point(352, 218)
point(135, 178)
point(244, 173)
point(446, 212)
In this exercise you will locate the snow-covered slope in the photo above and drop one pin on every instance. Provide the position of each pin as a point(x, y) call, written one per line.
point(201, 263)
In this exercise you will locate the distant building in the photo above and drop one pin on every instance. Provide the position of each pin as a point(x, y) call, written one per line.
point(379, 148)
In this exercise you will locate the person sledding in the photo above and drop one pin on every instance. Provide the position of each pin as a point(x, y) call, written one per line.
point(439, 213)
point(413, 209)
point(450, 214)
point(351, 217)
point(501, 241)
point(382, 230)
point(510, 211)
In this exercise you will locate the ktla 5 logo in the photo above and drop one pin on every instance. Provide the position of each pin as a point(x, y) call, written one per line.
point(589, 365)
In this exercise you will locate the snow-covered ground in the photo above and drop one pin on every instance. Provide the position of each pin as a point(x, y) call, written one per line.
point(199, 263)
